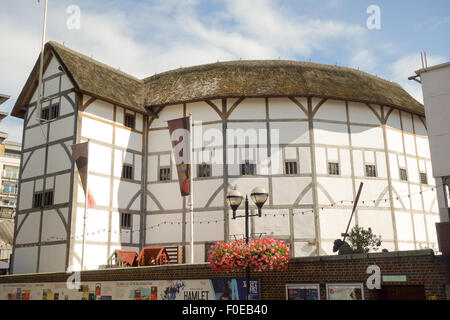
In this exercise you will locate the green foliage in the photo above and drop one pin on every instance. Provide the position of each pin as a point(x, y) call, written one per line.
point(363, 241)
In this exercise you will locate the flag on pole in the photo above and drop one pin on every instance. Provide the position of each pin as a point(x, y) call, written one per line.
point(180, 135)
point(80, 153)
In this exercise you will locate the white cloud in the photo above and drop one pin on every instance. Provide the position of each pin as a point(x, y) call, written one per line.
point(405, 67)
point(364, 60)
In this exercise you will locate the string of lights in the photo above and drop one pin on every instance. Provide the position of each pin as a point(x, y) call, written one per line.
point(158, 225)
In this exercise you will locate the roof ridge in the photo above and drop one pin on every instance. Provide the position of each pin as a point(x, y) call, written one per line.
point(99, 63)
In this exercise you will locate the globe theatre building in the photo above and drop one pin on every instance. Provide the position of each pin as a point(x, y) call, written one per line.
point(308, 133)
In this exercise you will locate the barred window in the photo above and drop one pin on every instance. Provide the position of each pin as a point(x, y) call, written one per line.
point(48, 198)
point(423, 178)
point(204, 170)
point(127, 171)
point(403, 174)
point(129, 120)
point(248, 169)
point(290, 167)
point(37, 200)
point(333, 168)
point(51, 112)
point(164, 174)
point(371, 170)
point(125, 220)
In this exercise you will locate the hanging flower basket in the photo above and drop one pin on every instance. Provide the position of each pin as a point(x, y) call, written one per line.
point(259, 255)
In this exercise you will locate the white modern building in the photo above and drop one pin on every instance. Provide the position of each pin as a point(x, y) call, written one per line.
point(307, 133)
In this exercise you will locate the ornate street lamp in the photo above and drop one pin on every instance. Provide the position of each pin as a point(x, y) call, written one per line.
point(234, 198)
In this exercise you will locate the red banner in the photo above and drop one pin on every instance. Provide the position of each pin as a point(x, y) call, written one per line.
point(180, 135)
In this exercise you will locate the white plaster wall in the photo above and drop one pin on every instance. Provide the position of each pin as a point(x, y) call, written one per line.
point(100, 109)
point(367, 137)
point(96, 130)
point(294, 184)
point(283, 108)
point(249, 108)
point(361, 113)
point(289, 132)
point(29, 233)
point(201, 111)
point(62, 189)
point(53, 258)
point(332, 110)
point(25, 260)
point(168, 113)
point(205, 231)
point(272, 223)
point(57, 160)
point(164, 233)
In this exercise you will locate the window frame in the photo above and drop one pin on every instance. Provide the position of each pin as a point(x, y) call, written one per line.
point(169, 173)
point(338, 169)
point(129, 219)
point(201, 167)
point(129, 116)
point(125, 170)
point(247, 168)
point(400, 170)
point(366, 166)
point(423, 174)
point(288, 162)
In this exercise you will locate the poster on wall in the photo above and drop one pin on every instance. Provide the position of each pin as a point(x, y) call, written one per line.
point(345, 291)
point(302, 292)
point(208, 289)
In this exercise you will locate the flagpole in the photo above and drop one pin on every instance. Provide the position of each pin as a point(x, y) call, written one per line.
point(41, 65)
point(191, 189)
point(86, 196)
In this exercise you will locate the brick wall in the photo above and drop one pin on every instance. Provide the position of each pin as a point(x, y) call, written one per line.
point(421, 268)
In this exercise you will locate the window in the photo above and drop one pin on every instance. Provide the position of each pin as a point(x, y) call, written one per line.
point(371, 170)
point(129, 120)
point(423, 178)
point(51, 112)
point(10, 188)
point(12, 155)
point(37, 200)
point(11, 172)
point(48, 198)
point(204, 170)
point(403, 174)
point(127, 171)
point(333, 168)
point(248, 169)
point(125, 220)
point(290, 167)
point(164, 174)
point(9, 202)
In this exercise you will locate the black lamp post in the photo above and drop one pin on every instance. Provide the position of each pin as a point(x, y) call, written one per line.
point(234, 198)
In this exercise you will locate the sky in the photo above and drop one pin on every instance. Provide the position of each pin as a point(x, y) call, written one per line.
point(151, 36)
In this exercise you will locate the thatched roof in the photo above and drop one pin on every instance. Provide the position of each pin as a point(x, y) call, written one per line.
point(262, 78)
point(259, 78)
point(89, 77)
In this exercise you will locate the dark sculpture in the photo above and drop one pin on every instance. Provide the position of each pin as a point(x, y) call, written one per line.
point(342, 247)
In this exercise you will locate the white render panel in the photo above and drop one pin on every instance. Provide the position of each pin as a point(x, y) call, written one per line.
point(94, 256)
point(212, 231)
point(168, 195)
point(164, 233)
point(25, 260)
point(305, 160)
point(97, 130)
point(304, 225)
point(404, 225)
point(58, 159)
point(289, 132)
point(410, 145)
point(123, 192)
point(53, 258)
point(367, 137)
point(100, 159)
point(52, 68)
point(35, 136)
point(432, 219)
point(361, 113)
point(168, 113)
point(321, 160)
point(139, 122)
point(35, 165)
point(420, 227)
point(332, 110)
point(379, 220)
point(407, 122)
point(128, 139)
point(61, 128)
point(52, 227)
point(337, 189)
point(26, 195)
point(330, 133)
point(304, 249)
point(381, 165)
point(394, 120)
point(99, 187)
point(119, 115)
point(66, 84)
point(201, 111)
point(29, 233)
point(294, 184)
point(65, 105)
point(206, 189)
point(358, 163)
point(250, 108)
point(284, 108)
point(51, 87)
point(273, 223)
point(333, 222)
point(62, 189)
point(100, 109)
point(159, 140)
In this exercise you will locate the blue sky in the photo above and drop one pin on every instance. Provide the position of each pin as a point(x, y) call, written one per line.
point(147, 37)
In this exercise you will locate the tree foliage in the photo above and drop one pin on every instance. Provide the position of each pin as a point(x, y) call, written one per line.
point(363, 241)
